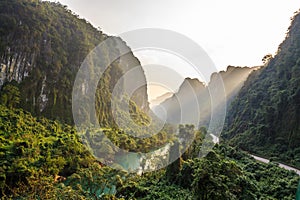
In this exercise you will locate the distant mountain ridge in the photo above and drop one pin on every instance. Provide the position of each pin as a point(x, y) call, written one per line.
point(161, 98)
point(193, 96)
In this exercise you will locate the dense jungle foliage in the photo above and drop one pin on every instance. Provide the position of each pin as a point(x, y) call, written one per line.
point(42, 46)
point(42, 156)
point(264, 118)
point(43, 159)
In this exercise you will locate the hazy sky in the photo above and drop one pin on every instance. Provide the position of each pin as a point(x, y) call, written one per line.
point(232, 32)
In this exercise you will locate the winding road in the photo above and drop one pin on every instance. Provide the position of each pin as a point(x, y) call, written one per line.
point(216, 140)
point(280, 164)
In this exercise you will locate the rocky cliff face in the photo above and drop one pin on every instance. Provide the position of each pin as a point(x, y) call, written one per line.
point(42, 46)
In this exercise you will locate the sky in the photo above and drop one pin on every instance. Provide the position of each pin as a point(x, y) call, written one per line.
point(232, 32)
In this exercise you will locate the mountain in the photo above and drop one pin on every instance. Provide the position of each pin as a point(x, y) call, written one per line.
point(233, 79)
point(185, 97)
point(192, 103)
point(161, 98)
point(42, 46)
point(264, 118)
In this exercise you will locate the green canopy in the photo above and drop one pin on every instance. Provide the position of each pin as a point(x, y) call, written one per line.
point(298, 192)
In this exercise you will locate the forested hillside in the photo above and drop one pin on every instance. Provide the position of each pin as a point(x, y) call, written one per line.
point(264, 118)
point(42, 156)
point(42, 46)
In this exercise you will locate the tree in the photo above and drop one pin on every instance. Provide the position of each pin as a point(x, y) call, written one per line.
point(267, 58)
point(298, 193)
point(10, 96)
point(174, 158)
